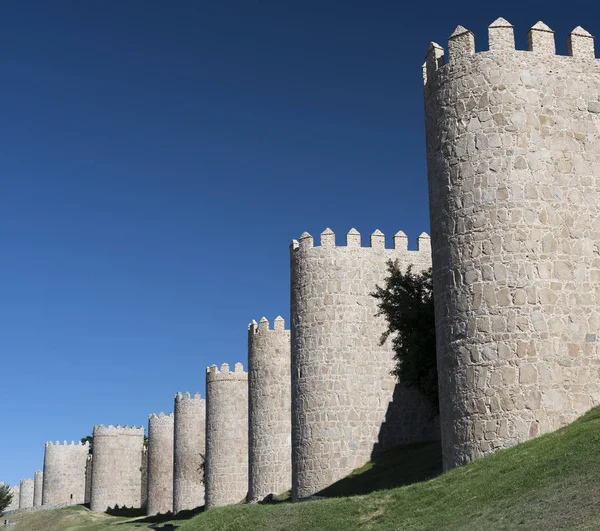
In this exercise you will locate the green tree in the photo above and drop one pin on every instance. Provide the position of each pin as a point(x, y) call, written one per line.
point(406, 301)
point(6, 497)
point(90, 440)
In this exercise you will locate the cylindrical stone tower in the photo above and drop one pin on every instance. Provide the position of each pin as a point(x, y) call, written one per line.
point(26, 494)
point(38, 485)
point(160, 464)
point(269, 413)
point(14, 504)
point(346, 406)
point(64, 473)
point(513, 155)
point(226, 472)
point(117, 467)
point(189, 450)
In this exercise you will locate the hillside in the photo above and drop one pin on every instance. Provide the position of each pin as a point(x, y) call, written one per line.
point(552, 482)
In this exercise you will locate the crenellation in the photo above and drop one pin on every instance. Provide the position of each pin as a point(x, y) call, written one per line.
point(377, 240)
point(461, 44)
point(327, 238)
point(501, 36)
point(540, 39)
point(433, 61)
point(353, 238)
point(580, 44)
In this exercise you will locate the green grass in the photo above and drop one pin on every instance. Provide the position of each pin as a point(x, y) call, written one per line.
point(552, 482)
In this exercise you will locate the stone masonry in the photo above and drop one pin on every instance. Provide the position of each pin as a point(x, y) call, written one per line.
point(26, 494)
point(117, 467)
point(226, 472)
point(160, 464)
point(144, 486)
point(269, 396)
point(513, 151)
point(346, 405)
point(88, 479)
point(64, 473)
point(189, 450)
point(14, 504)
point(38, 485)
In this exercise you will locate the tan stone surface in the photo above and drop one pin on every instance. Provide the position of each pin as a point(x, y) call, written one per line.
point(160, 464)
point(64, 473)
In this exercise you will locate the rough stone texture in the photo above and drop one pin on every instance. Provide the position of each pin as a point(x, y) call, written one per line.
point(64, 473)
point(346, 406)
point(88, 479)
point(117, 467)
point(189, 450)
point(38, 485)
point(144, 492)
point(269, 396)
point(26, 494)
point(513, 149)
point(580, 43)
point(14, 504)
point(226, 471)
point(160, 464)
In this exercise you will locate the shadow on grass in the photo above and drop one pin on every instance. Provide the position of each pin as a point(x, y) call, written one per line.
point(399, 466)
point(156, 519)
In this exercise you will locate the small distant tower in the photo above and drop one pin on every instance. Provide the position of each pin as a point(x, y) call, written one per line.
point(14, 504)
point(189, 451)
point(64, 473)
point(160, 464)
point(117, 467)
point(26, 494)
point(270, 416)
point(346, 406)
point(226, 470)
point(38, 484)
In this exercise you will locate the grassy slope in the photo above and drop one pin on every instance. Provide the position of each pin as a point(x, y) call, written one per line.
point(552, 482)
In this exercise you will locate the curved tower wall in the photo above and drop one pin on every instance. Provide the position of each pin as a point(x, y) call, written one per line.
point(38, 485)
point(14, 504)
point(346, 405)
point(160, 464)
point(88, 479)
point(269, 413)
point(26, 494)
point(513, 156)
point(189, 451)
point(226, 471)
point(117, 467)
point(64, 473)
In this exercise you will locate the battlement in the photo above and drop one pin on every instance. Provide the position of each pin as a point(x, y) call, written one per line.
point(64, 444)
point(213, 374)
point(179, 397)
point(501, 38)
point(353, 240)
point(102, 430)
point(161, 419)
point(263, 326)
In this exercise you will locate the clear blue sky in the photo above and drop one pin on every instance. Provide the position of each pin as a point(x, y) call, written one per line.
point(156, 159)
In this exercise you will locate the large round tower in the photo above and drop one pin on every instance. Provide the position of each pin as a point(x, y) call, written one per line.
point(189, 450)
point(226, 470)
point(64, 473)
point(346, 406)
point(26, 494)
point(269, 398)
point(513, 155)
point(160, 464)
point(116, 467)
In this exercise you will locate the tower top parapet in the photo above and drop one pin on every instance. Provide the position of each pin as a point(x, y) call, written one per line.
point(213, 374)
point(540, 39)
